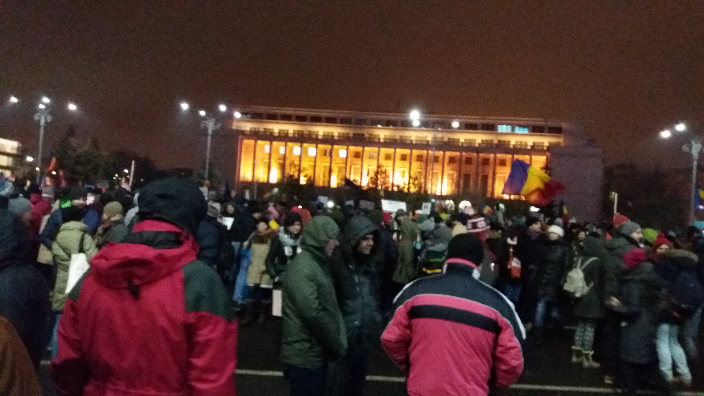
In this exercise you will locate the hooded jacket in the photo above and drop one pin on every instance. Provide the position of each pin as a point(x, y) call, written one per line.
point(356, 284)
point(591, 305)
point(147, 297)
point(406, 268)
point(68, 243)
point(313, 327)
point(673, 263)
point(24, 295)
point(454, 334)
point(614, 267)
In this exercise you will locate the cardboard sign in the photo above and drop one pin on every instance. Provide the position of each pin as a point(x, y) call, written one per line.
point(390, 206)
point(426, 208)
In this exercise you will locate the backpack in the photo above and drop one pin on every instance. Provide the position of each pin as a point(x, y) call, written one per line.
point(686, 296)
point(575, 285)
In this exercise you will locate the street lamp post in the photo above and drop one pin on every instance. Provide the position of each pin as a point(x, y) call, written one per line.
point(210, 124)
point(694, 148)
point(43, 117)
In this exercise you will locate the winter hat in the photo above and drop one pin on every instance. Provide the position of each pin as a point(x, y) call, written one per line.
point(292, 218)
point(466, 247)
point(477, 224)
point(634, 258)
point(75, 193)
point(619, 219)
point(376, 216)
point(400, 213)
point(113, 209)
point(532, 220)
point(660, 240)
point(649, 235)
point(305, 214)
point(421, 219)
point(19, 205)
point(72, 213)
point(553, 229)
point(176, 201)
point(628, 228)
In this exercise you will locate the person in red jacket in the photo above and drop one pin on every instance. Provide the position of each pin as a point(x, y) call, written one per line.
point(453, 334)
point(148, 318)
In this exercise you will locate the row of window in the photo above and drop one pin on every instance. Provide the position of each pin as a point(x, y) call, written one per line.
point(469, 126)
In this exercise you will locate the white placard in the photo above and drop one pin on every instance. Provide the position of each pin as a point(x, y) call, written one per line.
point(390, 206)
point(227, 221)
point(426, 208)
point(79, 265)
point(276, 303)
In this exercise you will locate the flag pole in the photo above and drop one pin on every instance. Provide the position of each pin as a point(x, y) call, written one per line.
point(615, 203)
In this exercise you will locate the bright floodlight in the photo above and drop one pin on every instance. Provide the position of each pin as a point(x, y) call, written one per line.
point(681, 127)
point(46, 100)
point(455, 124)
point(126, 171)
point(29, 158)
point(414, 115)
point(238, 114)
point(72, 107)
point(13, 99)
point(202, 113)
point(185, 106)
point(416, 123)
point(42, 106)
point(330, 204)
point(222, 108)
point(665, 134)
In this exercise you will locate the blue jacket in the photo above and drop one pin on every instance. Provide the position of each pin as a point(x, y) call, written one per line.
point(91, 219)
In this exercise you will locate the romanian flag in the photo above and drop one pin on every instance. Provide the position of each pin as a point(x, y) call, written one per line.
point(53, 165)
point(699, 199)
point(486, 209)
point(532, 183)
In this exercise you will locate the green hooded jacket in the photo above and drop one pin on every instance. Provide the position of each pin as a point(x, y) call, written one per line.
point(406, 268)
point(614, 267)
point(67, 243)
point(313, 328)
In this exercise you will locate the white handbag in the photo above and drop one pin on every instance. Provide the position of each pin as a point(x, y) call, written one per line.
point(79, 265)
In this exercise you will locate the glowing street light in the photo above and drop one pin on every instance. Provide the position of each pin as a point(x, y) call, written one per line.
point(416, 123)
point(666, 134)
point(222, 108)
point(126, 170)
point(13, 99)
point(46, 100)
point(681, 127)
point(455, 124)
point(42, 106)
point(185, 106)
point(29, 158)
point(201, 113)
point(694, 148)
point(237, 115)
point(414, 115)
point(72, 107)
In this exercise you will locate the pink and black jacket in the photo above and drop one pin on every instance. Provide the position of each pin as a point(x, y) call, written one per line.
point(454, 335)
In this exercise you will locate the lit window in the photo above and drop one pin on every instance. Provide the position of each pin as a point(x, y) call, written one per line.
point(343, 153)
point(311, 151)
point(521, 129)
point(267, 149)
point(296, 150)
point(503, 128)
point(282, 150)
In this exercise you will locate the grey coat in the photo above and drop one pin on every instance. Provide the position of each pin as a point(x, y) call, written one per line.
point(591, 305)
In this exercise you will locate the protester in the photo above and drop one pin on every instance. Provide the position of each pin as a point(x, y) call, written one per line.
point(73, 238)
point(459, 223)
point(113, 228)
point(284, 246)
point(258, 280)
point(406, 268)
point(40, 207)
point(148, 297)
point(209, 237)
point(75, 197)
point(486, 332)
point(554, 262)
point(17, 376)
point(355, 271)
point(589, 308)
point(313, 327)
point(529, 246)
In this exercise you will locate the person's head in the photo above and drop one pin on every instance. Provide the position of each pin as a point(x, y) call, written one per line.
point(320, 236)
point(77, 196)
point(534, 224)
point(229, 209)
point(555, 233)
point(478, 226)
point(693, 233)
point(401, 216)
point(466, 247)
point(173, 200)
point(661, 245)
point(262, 225)
point(72, 213)
point(21, 208)
point(581, 234)
point(631, 230)
point(365, 245)
point(113, 211)
point(293, 223)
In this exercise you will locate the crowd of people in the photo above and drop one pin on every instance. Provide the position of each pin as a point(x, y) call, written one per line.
point(173, 275)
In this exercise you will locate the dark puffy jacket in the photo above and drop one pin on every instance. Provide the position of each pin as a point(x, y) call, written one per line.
point(528, 251)
point(673, 263)
point(591, 305)
point(356, 284)
point(640, 293)
point(616, 248)
point(24, 295)
point(209, 237)
point(243, 225)
point(389, 250)
point(552, 267)
point(284, 248)
point(313, 327)
point(455, 335)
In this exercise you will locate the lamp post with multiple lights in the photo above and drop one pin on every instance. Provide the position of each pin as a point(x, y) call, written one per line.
point(694, 148)
point(43, 117)
point(210, 124)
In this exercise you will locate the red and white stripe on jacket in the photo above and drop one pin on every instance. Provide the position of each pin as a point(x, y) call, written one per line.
point(454, 335)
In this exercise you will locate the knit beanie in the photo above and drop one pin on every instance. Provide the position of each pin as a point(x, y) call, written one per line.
point(477, 224)
point(619, 219)
point(532, 220)
point(634, 258)
point(628, 228)
point(660, 240)
point(466, 247)
point(649, 235)
point(553, 229)
point(113, 209)
point(292, 218)
point(19, 205)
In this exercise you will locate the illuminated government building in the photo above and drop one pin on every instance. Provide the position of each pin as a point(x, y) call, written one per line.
point(435, 154)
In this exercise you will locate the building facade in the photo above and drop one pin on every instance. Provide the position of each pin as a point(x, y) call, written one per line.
point(10, 155)
point(443, 155)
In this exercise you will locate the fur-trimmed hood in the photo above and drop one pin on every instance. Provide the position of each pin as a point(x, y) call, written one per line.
point(682, 258)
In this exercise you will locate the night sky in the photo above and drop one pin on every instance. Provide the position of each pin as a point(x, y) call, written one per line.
point(626, 69)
